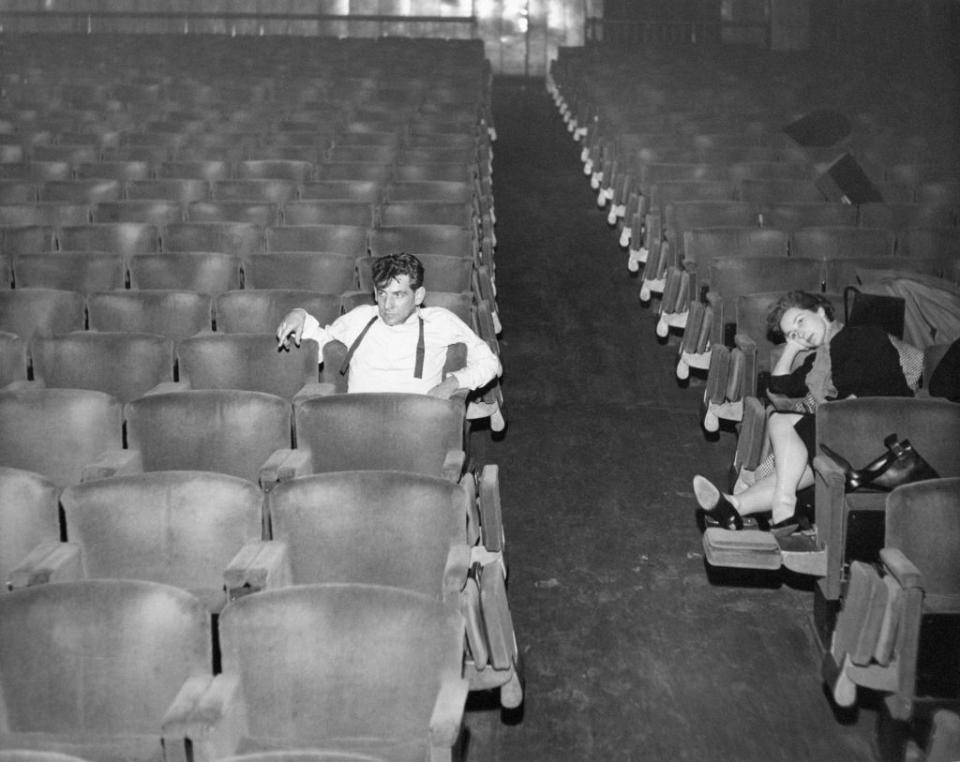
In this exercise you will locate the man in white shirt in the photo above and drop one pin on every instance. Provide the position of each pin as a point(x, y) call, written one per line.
point(397, 345)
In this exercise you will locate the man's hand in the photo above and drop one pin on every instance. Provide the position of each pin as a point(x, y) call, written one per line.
point(291, 327)
point(445, 389)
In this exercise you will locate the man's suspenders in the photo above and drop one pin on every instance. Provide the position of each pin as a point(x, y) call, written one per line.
point(418, 368)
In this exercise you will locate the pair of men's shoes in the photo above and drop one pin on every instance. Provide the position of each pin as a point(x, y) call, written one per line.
point(717, 510)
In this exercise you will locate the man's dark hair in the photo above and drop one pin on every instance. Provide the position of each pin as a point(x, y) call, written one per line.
point(800, 299)
point(391, 266)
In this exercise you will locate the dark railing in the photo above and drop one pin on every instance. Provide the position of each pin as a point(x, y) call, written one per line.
point(186, 22)
point(632, 32)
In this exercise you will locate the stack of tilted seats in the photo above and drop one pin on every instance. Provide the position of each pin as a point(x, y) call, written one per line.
point(730, 178)
point(205, 543)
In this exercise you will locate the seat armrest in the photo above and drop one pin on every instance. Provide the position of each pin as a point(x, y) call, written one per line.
point(259, 565)
point(744, 343)
point(901, 568)
point(453, 465)
point(208, 715)
point(315, 389)
point(22, 383)
point(491, 514)
point(285, 464)
point(51, 561)
point(113, 463)
point(446, 719)
point(164, 387)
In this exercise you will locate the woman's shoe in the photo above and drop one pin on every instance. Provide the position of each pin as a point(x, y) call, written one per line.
point(798, 522)
point(716, 509)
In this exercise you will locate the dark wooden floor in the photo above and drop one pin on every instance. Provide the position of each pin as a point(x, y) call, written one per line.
point(632, 650)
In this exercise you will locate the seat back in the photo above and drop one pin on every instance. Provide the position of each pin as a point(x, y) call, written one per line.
point(341, 661)
point(836, 242)
point(124, 365)
point(179, 528)
point(208, 272)
point(375, 431)
point(330, 212)
point(349, 240)
point(175, 314)
point(40, 311)
point(84, 272)
point(249, 361)
point(55, 432)
point(375, 527)
point(223, 430)
point(793, 216)
point(730, 277)
point(125, 238)
point(114, 654)
point(324, 272)
point(452, 240)
point(923, 521)
point(29, 515)
point(238, 238)
point(261, 310)
point(856, 428)
point(27, 239)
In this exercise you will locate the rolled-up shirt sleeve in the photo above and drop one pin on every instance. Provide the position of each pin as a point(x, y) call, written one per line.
point(482, 364)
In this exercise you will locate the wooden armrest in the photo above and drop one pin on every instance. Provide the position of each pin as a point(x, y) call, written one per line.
point(285, 464)
point(315, 389)
point(828, 470)
point(744, 343)
point(497, 620)
point(453, 465)
point(455, 570)
point(112, 463)
point(209, 715)
point(51, 561)
point(259, 565)
point(447, 716)
point(473, 620)
point(901, 568)
point(168, 386)
point(491, 515)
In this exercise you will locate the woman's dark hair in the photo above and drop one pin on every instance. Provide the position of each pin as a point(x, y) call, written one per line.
point(391, 266)
point(800, 299)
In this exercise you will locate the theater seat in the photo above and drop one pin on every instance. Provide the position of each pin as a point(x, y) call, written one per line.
point(57, 432)
point(122, 364)
point(879, 635)
point(90, 668)
point(179, 528)
point(360, 668)
point(228, 431)
point(250, 361)
point(368, 431)
point(174, 314)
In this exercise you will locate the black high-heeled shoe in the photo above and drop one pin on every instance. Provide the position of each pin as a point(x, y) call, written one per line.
point(716, 510)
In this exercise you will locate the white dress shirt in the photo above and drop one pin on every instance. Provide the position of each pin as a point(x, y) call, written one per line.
point(385, 359)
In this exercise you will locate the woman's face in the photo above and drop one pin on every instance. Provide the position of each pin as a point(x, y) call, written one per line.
point(806, 327)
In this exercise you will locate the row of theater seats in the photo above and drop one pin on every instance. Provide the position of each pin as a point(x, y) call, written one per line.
point(723, 209)
point(205, 570)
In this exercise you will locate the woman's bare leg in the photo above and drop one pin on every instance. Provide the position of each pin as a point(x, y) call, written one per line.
point(778, 491)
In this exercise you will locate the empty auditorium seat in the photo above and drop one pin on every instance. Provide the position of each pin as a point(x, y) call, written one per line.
point(250, 361)
point(114, 656)
point(57, 432)
point(124, 365)
point(175, 314)
point(356, 667)
point(41, 311)
point(261, 310)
